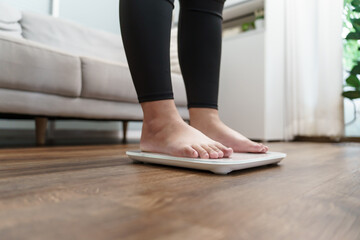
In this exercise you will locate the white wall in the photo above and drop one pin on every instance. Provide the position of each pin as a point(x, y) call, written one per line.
point(39, 6)
point(98, 14)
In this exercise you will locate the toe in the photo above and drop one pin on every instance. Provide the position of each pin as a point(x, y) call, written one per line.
point(216, 149)
point(189, 152)
point(255, 147)
point(212, 153)
point(266, 148)
point(227, 151)
point(201, 151)
point(262, 149)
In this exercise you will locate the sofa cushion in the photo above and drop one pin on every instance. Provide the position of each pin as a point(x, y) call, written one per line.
point(10, 29)
point(72, 37)
point(112, 81)
point(174, 59)
point(9, 18)
point(29, 66)
point(14, 34)
point(14, 27)
point(32, 103)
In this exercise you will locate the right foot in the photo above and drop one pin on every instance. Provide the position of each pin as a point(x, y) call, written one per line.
point(167, 133)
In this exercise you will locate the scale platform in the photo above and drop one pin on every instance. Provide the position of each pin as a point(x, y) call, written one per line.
point(237, 161)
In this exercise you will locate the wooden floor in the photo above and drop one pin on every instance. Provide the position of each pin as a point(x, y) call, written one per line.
point(95, 192)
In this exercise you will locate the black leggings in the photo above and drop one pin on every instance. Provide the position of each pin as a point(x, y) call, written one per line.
point(145, 29)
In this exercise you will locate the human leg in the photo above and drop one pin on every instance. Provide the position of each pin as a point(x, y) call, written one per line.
point(145, 29)
point(199, 40)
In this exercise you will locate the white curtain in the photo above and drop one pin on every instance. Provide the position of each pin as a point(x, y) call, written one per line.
point(314, 105)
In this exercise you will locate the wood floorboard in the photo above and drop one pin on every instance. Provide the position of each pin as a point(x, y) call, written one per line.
point(96, 192)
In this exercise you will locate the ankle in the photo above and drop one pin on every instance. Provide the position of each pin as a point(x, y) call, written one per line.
point(158, 114)
point(201, 116)
point(158, 110)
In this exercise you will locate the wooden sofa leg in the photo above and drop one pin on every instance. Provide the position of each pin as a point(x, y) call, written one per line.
point(125, 126)
point(40, 128)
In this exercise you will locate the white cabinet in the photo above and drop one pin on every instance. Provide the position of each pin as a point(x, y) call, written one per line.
point(251, 95)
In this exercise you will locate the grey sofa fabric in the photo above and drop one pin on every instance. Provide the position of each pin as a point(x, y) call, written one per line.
point(178, 89)
point(29, 66)
point(112, 81)
point(63, 69)
point(106, 80)
point(9, 21)
point(23, 102)
point(14, 34)
point(72, 38)
point(13, 27)
point(174, 59)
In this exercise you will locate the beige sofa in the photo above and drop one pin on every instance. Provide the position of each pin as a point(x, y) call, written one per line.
point(58, 69)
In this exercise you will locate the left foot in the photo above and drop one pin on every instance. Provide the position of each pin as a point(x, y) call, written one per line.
point(208, 122)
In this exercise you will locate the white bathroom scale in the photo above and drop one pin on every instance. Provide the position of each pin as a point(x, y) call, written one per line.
point(237, 161)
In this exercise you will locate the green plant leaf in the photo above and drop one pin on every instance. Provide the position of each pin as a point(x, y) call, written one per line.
point(351, 94)
point(353, 81)
point(355, 3)
point(356, 70)
point(356, 23)
point(353, 36)
point(245, 27)
point(356, 9)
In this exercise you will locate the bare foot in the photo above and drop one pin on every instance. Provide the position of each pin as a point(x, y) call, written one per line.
point(164, 131)
point(208, 122)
